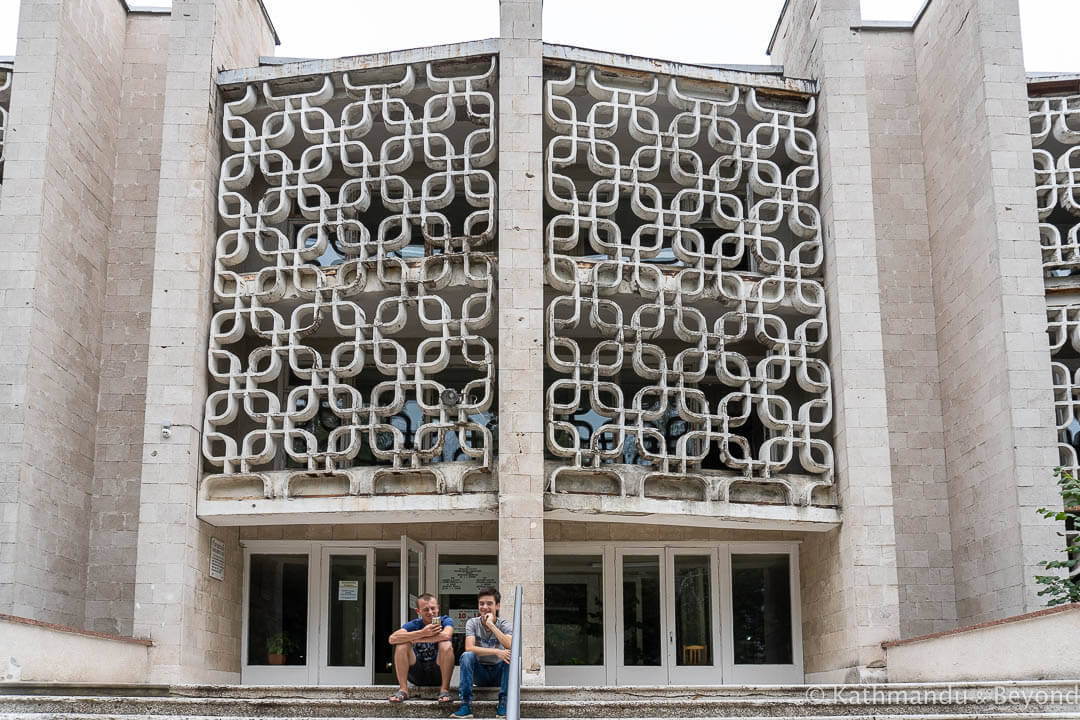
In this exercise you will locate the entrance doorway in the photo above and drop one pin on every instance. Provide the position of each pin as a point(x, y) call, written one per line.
point(667, 600)
point(679, 614)
point(320, 613)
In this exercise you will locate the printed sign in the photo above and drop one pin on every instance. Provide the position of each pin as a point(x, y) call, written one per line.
point(461, 616)
point(217, 559)
point(348, 589)
point(466, 579)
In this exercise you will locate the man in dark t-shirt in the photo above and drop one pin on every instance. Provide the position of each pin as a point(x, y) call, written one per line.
point(423, 653)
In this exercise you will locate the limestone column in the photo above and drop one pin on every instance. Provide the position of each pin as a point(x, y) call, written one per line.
point(521, 324)
point(55, 208)
point(194, 620)
point(850, 598)
point(996, 387)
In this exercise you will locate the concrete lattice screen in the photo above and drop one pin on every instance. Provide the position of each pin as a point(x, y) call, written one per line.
point(1055, 136)
point(353, 339)
point(686, 317)
point(5, 99)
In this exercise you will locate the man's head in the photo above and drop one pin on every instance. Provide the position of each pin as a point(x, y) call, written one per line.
point(488, 600)
point(427, 608)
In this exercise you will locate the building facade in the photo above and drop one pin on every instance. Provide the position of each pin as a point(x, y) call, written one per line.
point(738, 371)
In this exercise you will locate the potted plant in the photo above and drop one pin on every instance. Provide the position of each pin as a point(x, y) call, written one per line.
point(278, 646)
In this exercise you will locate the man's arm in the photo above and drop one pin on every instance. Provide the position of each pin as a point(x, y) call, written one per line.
point(424, 634)
point(471, 646)
point(505, 639)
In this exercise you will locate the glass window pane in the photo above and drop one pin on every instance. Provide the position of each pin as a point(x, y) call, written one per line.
point(347, 611)
point(693, 610)
point(573, 610)
point(761, 609)
point(277, 610)
point(641, 609)
point(413, 571)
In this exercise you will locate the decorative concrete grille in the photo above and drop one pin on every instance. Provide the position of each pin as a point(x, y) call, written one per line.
point(1055, 136)
point(1064, 324)
point(5, 97)
point(354, 279)
point(685, 311)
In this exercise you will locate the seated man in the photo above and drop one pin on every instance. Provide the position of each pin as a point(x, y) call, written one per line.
point(486, 660)
point(423, 654)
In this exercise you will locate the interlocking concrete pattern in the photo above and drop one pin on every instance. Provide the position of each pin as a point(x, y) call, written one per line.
point(1055, 136)
point(360, 208)
point(5, 97)
point(686, 312)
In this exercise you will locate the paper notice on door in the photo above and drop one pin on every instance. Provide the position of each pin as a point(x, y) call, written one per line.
point(348, 589)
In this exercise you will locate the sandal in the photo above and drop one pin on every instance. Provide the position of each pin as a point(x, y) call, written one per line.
point(399, 697)
point(444, 697)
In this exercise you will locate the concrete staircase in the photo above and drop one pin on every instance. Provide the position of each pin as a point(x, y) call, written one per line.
point(1051, 700)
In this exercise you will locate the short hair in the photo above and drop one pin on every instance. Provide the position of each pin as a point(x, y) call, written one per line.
point(426, 596)
point(492, 591)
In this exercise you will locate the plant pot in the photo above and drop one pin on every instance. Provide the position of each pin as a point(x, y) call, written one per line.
point(275, 658)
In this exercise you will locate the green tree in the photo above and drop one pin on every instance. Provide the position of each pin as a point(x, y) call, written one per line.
point(1064, 588)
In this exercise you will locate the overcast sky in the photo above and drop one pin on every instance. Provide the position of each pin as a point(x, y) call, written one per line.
point(706, 31)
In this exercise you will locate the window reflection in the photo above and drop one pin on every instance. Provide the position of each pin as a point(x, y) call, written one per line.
point(761, 609)
point(573, 610)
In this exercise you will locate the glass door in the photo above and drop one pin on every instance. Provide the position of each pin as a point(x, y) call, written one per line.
point(346, 616)
point(412, 576)
point(692, 617)
point(667, 617)
point(641, 626)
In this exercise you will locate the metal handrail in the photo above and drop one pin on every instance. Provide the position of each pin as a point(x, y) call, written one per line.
point(513, 688)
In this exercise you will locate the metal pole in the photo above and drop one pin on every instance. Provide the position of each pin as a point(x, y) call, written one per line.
point(513, 689)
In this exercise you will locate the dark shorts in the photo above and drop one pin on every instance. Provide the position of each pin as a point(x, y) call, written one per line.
point(425, 674)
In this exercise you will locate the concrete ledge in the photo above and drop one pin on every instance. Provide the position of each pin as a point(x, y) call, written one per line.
point(349, 509)
point(761, 76)
point(228, 79)
point(688, 513)
point(1035, 646)
point(36, 651)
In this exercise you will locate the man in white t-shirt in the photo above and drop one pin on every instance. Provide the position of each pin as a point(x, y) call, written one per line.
point(486, 660)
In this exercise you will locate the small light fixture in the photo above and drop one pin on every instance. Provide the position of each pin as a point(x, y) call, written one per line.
point(166, 430)
point(449, 398)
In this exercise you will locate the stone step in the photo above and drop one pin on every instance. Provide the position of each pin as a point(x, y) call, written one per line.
point(875, 716)
point(1057, 700)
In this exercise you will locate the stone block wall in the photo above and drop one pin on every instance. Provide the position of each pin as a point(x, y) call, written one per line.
point(114, 509)
point(920, 488)
point(193, 619)
point(60, 149)
point(852, 603)
point(988, 292)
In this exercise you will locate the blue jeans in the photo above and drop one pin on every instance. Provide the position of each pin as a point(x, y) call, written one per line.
point(484, 674)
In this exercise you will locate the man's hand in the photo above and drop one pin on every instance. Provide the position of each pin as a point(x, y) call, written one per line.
point(488, 619)
point(433, 629)
point(503, 654)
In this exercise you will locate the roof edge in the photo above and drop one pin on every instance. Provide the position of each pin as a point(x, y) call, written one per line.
point(292, 67)
point(766, 76)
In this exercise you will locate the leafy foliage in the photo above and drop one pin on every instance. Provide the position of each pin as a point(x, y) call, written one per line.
point(1064, 588)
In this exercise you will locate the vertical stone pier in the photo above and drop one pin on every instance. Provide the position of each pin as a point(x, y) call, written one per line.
point(521, 324)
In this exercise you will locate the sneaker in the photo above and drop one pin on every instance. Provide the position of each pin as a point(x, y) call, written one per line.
point(500, 711)
point(463, 712)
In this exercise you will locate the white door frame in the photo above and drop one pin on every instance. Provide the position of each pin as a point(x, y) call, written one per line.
point(762, 674)
point(407, 545)
point(355, 674)
point(723, 670)
point(699, 674)
point(647, 674)
point(590, 674)
point(280, 674)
